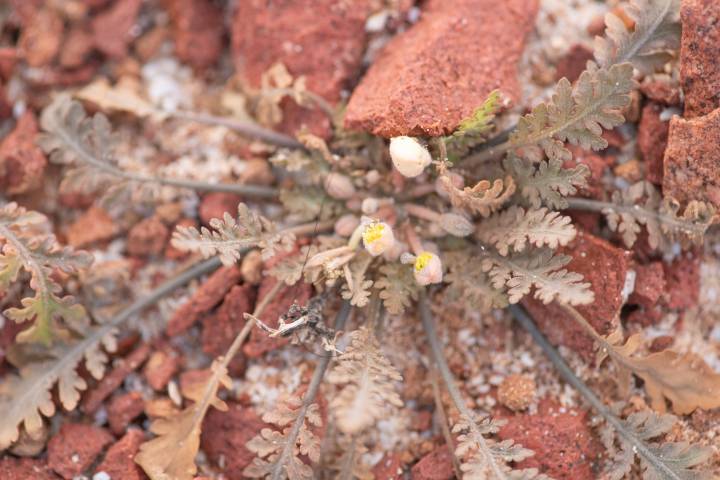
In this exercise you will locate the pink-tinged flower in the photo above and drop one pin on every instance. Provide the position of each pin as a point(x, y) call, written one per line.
point(428, 269)
point(409, 156)
point(377, 238)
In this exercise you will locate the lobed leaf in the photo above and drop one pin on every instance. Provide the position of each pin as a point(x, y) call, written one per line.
point(397, 287)
point(483, 199)
point(548, 182)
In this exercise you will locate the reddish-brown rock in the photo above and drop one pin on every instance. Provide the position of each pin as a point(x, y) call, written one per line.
point(95, 225)
point(5, 106)
point(660, 91)
point(699, 66)
point(75, 447)
point(220, 328)
point(436, 465)
point(605, 267)
point(113, 28)
point(561, 438)
point(123, 409)
point(216, 204)
point(427, 79)
point(147, 237)
point(649, 284)
point(322, 40)
point(259, 341)
point(692, 159)
point(205, 297)
point(224, 435)
point(41, 37)
point(12, 468)
point(22, 162)
point(682, 277)
point(390, 467)
point(160, 368)
point(197, 30)
point(573, 63)
point(119, 461)
point(597, 166)
point(652, 140)
point(112, 381)
point(77, 46)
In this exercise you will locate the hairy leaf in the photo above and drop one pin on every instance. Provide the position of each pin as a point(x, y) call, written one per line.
point(541, 269)
point(474, 129)
point(469, 283)
point(575, 114)
point(656, 30)
point(171, 455)
point(230, 236)
point(483, 199)
point(515, 227)
point(368, 381)
point(357, 288)
point(397, 287)
point(548, 182)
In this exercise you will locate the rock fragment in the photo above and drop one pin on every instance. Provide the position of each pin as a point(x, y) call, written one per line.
point(75, 447)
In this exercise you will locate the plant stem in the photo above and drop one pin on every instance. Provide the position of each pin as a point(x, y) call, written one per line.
point(278, 471)
point(249, 129)
point(447, 376)
point(444, 421)
point(419, 211)
point(566, 372)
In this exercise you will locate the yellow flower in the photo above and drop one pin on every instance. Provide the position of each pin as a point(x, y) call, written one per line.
point(428, 269)
point(377, 238)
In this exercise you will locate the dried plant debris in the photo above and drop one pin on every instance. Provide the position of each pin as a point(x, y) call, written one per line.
point(230, 237)
point(367, 381)
point(29, 247)
point(648, 45)
point(270, 444)
point(682, 459)
point(171, 455)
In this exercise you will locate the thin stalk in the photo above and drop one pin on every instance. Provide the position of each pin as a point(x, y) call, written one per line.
point(444, 422)
point(278, 472)
point(248, 129)
point(447, 376)
point(566, 372)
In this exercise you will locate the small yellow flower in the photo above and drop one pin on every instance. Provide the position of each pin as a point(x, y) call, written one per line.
point(428, 269)
point(377, 238)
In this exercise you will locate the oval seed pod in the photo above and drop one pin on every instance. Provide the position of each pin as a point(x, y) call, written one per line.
point(377, 238)
point(409, 156)
point(346, 225)
point(339, 186)
point(428, 269)
point(455, 224)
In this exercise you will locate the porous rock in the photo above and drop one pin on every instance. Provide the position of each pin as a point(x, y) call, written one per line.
point(12, 468)
point(22, 162)
point(429, 78)
point(197, 27)
point(119, 461)
point(436, 465)
point(75, 447)
point(652, 140)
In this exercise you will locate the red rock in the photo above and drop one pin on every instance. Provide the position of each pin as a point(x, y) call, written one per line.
point(561, 438)
point(221, 328)
point(22, 162)
point(216, 204)
point(205, 297)
point(119, 461)
point(661, 343)
point(113, 28)
point(8, 60)
point(147, 237)
point(429, 78)
point(436, 465)
point(573, 63)
point(259, 341)
point(652, 140)
point(597, 166)
point(123, 409)
point(699, 67)
point(649, 284)
point(605, 267)
point(75, 447)
point(224, 435)
point(322, 40)
point(197, 31)
point(683, 281)
point(160, 368)
point(12, 468)
point(77, 46)
point(75, 200)
point(5, 106)
point(95, 225)
point(390, 467)
point(661, 91)
point(112, 381)
point(692, 159)
point(41, 37)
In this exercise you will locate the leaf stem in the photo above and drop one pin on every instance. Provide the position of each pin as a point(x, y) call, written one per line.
point(278, 470)
point(447, 376)
point(566, 372)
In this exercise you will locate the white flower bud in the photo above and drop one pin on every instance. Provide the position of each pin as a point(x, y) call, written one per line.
point(339, 186)
point(346, 225)
point(409, 157)
point(455, 224)
point(377, 238)
point(428, 269)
